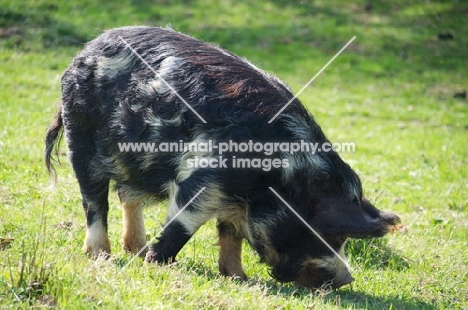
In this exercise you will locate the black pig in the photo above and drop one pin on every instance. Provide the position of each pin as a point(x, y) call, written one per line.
point(184, 90)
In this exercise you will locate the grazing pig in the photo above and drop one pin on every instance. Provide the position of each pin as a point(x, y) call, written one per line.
point(160, 87)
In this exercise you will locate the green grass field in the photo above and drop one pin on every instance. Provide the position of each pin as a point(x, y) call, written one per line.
point(391, 92)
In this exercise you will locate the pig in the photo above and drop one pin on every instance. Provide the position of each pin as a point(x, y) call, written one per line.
point(158, 86)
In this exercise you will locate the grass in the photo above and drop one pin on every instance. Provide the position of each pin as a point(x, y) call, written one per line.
point(391, 93)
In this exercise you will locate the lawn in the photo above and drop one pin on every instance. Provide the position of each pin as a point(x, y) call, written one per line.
point(398, 92)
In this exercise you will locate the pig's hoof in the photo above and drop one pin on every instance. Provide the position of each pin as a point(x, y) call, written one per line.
point(137, 250)
point(234, 272)
point(153, 257)
point(98, 254)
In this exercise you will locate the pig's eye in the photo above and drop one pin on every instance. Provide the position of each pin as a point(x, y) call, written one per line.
point(357, 201)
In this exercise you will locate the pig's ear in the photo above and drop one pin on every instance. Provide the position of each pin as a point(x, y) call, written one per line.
point(337, 217)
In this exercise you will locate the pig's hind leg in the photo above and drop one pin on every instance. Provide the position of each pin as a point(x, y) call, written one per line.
point(94, 187)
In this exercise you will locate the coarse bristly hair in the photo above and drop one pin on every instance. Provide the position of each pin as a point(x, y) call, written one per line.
point(109, 96)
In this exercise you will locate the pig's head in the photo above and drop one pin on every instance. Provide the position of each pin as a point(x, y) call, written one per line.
point(332, 204)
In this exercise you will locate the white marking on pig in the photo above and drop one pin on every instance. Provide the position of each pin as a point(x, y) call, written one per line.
point(165, 72)
point(111, 67)
point(168, 66)
point(212, 202)
point(205, 206)
point(184, 170)
point(191, 221)
point(96, 241)
point(155, 122)
point(302, 160)
point(332, 263)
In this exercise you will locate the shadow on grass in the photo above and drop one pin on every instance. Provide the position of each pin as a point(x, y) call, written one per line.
point(361, 300)
point(37, 29)
point(399, 40)
point(394, 35)
point(375, 254)
point(345, 297)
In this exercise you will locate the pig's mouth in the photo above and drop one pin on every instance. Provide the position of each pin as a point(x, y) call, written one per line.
point(342, 282)
point(317, 280)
